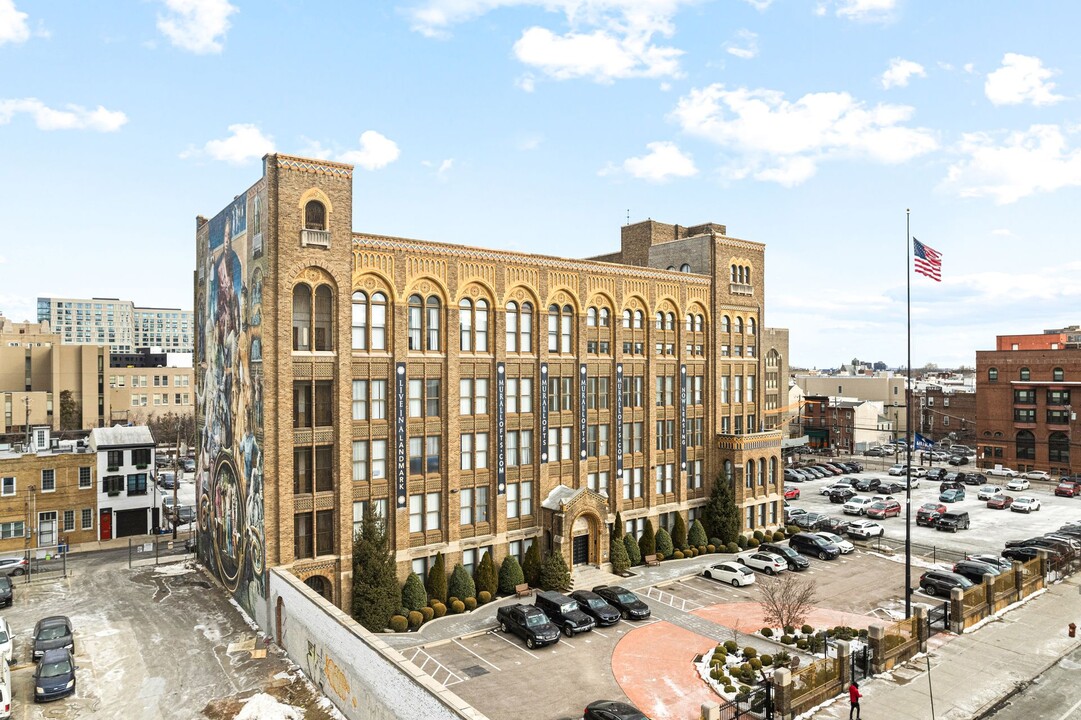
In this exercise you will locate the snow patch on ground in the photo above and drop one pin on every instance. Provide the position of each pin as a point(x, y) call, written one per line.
point(916, 561)
point(251, 623)
point(175, 569)
point(266, 707)
point(1003, 611)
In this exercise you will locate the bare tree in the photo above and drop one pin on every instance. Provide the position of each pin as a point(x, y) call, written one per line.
point(786, 600)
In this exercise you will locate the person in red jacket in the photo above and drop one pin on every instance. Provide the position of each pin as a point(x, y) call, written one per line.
point(854, 696)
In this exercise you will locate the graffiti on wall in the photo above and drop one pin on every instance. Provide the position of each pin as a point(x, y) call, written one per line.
point(229, 394)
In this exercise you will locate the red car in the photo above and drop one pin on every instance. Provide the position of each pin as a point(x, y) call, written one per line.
point(1000, 502)
point(884, 509)
point(791, 494)
point(929, 513)
point(1068, 489)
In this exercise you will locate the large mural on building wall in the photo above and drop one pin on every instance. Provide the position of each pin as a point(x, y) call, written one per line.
point(229, 396)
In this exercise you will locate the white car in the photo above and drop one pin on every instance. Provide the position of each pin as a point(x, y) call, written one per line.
point(914, 482)
point(732, 573)
point(766, 562)
point(857, 506)
point(999, 471)
point(898, 469)
point(1037, 475)
point(1018, 484)
point(986, 492)
point(1025, 504)
point(865, 529)
point(845, 546)
point(7, 641)
point(842, 485)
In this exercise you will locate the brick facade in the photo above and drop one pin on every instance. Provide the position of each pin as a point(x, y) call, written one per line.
point(47, 496)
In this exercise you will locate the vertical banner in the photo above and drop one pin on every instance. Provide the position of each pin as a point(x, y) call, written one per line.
point(501, 428)
point(582, 411)
point(619, 421)
point(401, 472)
point(683, 418)
point(544, 413)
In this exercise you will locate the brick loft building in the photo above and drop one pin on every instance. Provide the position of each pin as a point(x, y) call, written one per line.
point(1024, 395)
point(478, 399)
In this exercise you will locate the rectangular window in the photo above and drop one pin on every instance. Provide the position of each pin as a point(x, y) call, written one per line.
point(1025, 397)
point(598, 482)
point(302, 535)
point(737, 389)
point(519, 447)
point(466, 497)
point(431, 510)
point(87, 518)
point(324, 403)
point(136, 484)
point(360, 399)
point(474, 453)
point(377, 399)
point(302, 404)
point(324, 468)
point(694, 474)
point(597, 393)
point(473, 396)
point(302, 471)
point(7, 489)
point(665, 473)
point(48, 480)
point(115, 458)
point(361, 460)
point(724, 389)
point(518, 548)
point(632, 437)
point(416, 513)
point(10, 530)
point(69, 521)
point(379, 509)
point(749, 519)
point(762, 514)
point(1024, 415)
point(431, 452)
point(665, 389)
point(696, 382)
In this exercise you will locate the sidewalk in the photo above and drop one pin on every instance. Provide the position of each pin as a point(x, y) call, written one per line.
point(971, 672)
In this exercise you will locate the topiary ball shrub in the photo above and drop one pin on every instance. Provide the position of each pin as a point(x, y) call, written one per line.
point(807, 630)
point(719, 651)
point(778, 536)
point(757, 535)
point(716, 542)
point(702, 549)
point(731, 548)
point(660, 556)
point(457, 607)
point(470, 604)
point(484, 597)
point(749, 652)
point(741, 541)
point(451, 599)
point(729, 689)
point(731, 646)
point(753, 543)
point(715, 674)
point(677, 555)
point(756, 664)
point(766, 632)
point(744, 668)
point(399, 623)
point(767, 660)
point(711, 548)
point(787, 639)
point(415, 618)
point(802, 644)
point(791, 530)
point(789, 630)
point(439, 608)
point(428, 613)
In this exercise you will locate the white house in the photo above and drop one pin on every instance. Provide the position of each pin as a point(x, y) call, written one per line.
point(126, 490)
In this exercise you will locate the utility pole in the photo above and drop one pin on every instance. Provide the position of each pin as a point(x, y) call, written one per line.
point(176, 478)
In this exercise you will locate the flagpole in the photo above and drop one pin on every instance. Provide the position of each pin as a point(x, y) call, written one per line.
point(908, 419)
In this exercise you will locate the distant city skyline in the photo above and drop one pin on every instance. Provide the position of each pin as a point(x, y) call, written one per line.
point(809, 126)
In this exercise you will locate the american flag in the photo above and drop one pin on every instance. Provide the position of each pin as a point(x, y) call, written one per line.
point(928, 260)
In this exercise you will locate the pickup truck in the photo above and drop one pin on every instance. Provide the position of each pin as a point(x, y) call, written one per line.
point(529, 623)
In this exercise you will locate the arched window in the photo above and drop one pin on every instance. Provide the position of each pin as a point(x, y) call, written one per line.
point(750, 326)
point(302, 317)
point(639, 319)
point(324, 318)
point(605, 319)
point(591, 317)
point(688, 323)
point(560, 326)
point(318, 583)
point(726, 324)
point(735, 274)
point(699, 323)
point(431, 322)
point(670, 321)
point(1058, 448)
point(315, 216)
point(415, 321)
point(671, 267)
point(360, 320)
point(1025, 374)
point(519, 330)
point(992, 374)
point(1057, 375)
point(1026, 445)
point(627, 319)
point(739, 325)
point(378, 315)
point(660, 320)
point(772, 471)
point(424, 323)
point(685, 267)
point(473, 325)
point(728, 470)
point(748, 476)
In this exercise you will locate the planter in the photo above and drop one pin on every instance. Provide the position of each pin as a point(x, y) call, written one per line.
point(112, 468)
point(140, 467)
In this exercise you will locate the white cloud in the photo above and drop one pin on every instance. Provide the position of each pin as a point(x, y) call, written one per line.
point(900, 72)
point(72, 117)
point(969, 68)
point(770, 138)
point(531, 141)
point(376, 151)
point(1024, 163)
point(759, 5)
point(1021, 79)
point(526, 83)
point(663, 162)
point(1002, 232)
point(13, 27)
point(246, 142)
point(198, 26)
point(599, 55)
point(866, 10)
point(747, 47)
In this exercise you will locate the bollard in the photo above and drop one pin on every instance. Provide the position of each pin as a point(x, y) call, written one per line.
point(1073, 629)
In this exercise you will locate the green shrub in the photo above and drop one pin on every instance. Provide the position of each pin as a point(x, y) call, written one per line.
point(399, 623)
point(767, 632)
point(510, 575)
point(756, 664)
point(451, 599)
point(647, 544)
point(660, 556)
point(731, 646)
point(702, 549)
point(485, 577)
point(778, 536)
point(677, 555)
point(767, 660)
point(439, 608)
point(457, 607)
point(802, 644)
point(744, 668)
point(791, 530)
point(696, 535)
point(753, 543)
point(787, 639)
point(806, 629)
point(749, 652)
point(679, 532)
point(618, 555)
point(863, 633)
point(789, 630)
point(470, 604)
point(729, 689)
point(415, 618)
point(711, 548)
point(461, 583)
point(414, 597)
point(437, 579)
point(715, 674)
point(634, 555)
point(782, 658)
point(663, 543)
point(717, 542)
point(484, 597)
point(741, 541)
point(427, 612)
point(531, 565)
point(554, 573)
point(732, 548)
point(757, 535)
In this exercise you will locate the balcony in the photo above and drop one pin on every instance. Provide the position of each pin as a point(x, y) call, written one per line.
point(740, 289)
point(749, 441)
point(315, 238)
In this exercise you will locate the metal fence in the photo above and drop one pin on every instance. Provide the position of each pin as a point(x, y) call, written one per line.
point(155, 551)
point(933, 553)
point(35, 563)
point(1031, 577)
point(815, 683)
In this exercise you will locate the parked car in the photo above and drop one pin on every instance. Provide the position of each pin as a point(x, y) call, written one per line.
point(890, 487)
point(790, 475)
point(167, 480)
point(596, 607)
point(791, 493)
point(732, 573)
point(7, 591)
point(935, 473)
point(1066, 488)
point(766, 562)
point(834, 525)
point(949, 485)
point(13, 566)
point(51, 633)
point(7, 643)
point(839, 485)
point(986, 492)
point(868, 484)
point(1055, 547)
point(792, 512)
point(563, 612)
point(857, 506)
point(612, 710)
point(874, 452)
point(1025, 504)
point(883, 509)
point(993, 560)
point(940, 582)
point(958, 460)
point(1000, 502)
point(999, 471)
point(54, 677)
point(842, 495)
point(623, 600)
point(853, 466)
point(794, 559)
point(1036, 475)
point(188, 465)
point(1018, 484)
point(816, 545)
point(975, 570)
point(1021, 553)
point(952, 495)
point(529, 623)
point(913, 482)
point(975, 478)
point(898, 469)
point(843, 545)
point(865, 529)
point(953, 520)
point(929, 513)
point(808, 521)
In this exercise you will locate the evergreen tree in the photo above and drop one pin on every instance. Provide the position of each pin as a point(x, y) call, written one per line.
point(696, 536)
point(617, 528)
point(376, 594)
point(437, 579)
point(679, 532)
point(618, 554)
point(510, 575)
point(531, 565)
point(663, 543)
point(485, 576)
point(647, 544)
point(634, 555)
point(554, 574)
point(414, 597)
point(720, 516)
point(461, 584)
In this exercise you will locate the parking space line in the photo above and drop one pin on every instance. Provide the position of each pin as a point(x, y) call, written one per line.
point(723, 598)
point(564, 642)
point(654, 593)
point(495, 633)
point(598, 632)
point(479, 657)
point(450, 679)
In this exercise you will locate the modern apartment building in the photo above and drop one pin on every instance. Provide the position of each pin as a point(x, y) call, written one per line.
point(885, 387)
point(477, 399)
point(117, 323)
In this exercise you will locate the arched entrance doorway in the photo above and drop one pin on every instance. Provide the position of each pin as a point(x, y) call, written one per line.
point(584, 540)
point(321, 585)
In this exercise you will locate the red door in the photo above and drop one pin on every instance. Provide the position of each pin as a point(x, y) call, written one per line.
point(106, 524)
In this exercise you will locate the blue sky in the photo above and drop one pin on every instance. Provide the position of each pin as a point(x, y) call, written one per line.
point(540, 125)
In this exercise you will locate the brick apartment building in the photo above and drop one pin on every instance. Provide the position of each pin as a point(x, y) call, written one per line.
point(943, 413)
point(1024, 413)
point(477, 399)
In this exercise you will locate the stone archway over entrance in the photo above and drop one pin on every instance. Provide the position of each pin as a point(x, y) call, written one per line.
point(577, 520)
point(321, 585)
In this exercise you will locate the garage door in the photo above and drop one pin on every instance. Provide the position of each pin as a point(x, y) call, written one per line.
point(131, 522)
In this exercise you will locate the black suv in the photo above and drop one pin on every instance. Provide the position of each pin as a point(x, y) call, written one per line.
point(1021, 554)
point(953, 521)
point(7, 591)
point(840, 496)
point(975, 479)
point(596, 607)
point(949, 485)
point(623, 600)
point(794, 559)
point(527, 622)
point(940, 582)
point(564, 612)
point(868, 484)
point(935, 473)
point(975, 570)
point(809, 544)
